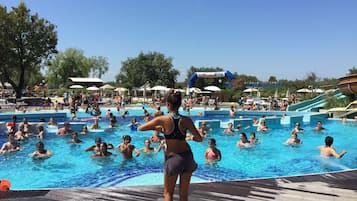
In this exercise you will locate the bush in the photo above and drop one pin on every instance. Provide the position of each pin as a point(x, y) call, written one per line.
point(332, 102)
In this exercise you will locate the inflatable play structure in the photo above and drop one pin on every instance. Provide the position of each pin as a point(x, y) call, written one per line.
point(196, 75)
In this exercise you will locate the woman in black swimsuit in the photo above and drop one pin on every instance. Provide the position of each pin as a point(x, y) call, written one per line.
point(178, 155)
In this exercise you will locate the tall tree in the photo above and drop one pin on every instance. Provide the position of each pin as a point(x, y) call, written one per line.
point(99, 66)
point(70, 63)
point(272, 79)
point(311, 78)
point(26, 43)
point(152, 67)
point(352, 71)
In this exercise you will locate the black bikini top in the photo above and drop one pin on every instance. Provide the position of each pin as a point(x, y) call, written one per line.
point(177, 133)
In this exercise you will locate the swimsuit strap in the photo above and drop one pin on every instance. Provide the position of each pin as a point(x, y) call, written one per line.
point(177, 133)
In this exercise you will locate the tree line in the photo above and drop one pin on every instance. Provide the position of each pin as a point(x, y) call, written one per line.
point(29, 56)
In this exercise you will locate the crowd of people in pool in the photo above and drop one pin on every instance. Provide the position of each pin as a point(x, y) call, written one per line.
point(24, 131)
point(179, 159)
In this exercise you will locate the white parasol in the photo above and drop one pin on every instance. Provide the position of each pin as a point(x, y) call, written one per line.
point(76, 86)
point(212, 88)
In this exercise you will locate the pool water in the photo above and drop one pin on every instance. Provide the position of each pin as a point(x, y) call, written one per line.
point(71, 166)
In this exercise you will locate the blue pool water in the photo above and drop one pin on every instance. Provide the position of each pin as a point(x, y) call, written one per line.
point(70, 166)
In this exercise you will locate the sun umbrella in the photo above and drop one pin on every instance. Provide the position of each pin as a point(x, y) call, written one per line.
point(180, 90)
point(76, 86)
point(121, 89)
point(250, 90)
point(212, 88)
point(93, 88)
point(159, 88)
point(195, 89)
point(304, 90)
point(107, 86)
point(319, 90)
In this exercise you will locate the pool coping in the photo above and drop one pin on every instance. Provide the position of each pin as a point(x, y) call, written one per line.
point(339, 185)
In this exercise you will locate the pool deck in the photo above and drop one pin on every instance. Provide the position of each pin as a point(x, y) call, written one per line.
point(327, 186)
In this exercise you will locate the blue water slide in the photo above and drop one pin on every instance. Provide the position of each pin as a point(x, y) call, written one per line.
point(313, 105)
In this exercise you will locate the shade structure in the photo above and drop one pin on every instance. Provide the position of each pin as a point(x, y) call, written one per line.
point(180, 90)
point(250, 90)
point(212, 88)
point(107, 86)
point(195, 90)
point(159, 88)
point(304, 90)
point(76, 86)
point(121, 89)
point(205, 92)
point(93, 88)
point(318, 90)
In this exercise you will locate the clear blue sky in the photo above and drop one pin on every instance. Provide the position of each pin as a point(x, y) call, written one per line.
point(286, 39)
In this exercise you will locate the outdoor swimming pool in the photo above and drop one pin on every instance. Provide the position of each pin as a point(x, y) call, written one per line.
point(70, 166)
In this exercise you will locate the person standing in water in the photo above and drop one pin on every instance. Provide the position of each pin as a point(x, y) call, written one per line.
point(178, 155)
point(212, 154)
point(328, 150)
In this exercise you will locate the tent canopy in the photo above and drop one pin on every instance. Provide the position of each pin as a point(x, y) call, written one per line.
point(304, 90)
point(121, 89)
point(86, 81)
point(107, 86)
point(159, 88)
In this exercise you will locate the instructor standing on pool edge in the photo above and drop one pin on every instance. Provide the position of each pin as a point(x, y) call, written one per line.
point(178, 155)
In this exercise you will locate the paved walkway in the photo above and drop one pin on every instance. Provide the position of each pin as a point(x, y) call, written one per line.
point(329, 186)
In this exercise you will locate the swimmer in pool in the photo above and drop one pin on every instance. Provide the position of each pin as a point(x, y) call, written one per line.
point(75, 139)
point(229, 130)
point(103, 151)
point(243, 142)
point(95, 124)
point(41, 152)
point(328, 150)
point(10, 146)
point(127, 149)
point(319, 127)
point(134, 124)
point(262, 127)
point(297, 128)
point(253, 140)
point(293, 139)
point(212, 154)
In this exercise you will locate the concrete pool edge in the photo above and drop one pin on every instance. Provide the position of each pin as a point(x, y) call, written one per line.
point(338, 185)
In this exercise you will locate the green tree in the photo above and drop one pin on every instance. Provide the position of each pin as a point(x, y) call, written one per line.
point(311, 79)
point(152, 67)
point(352, 71)
point(99, 66)
point(70, 63)
point(26, 43)
point(272, 79)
